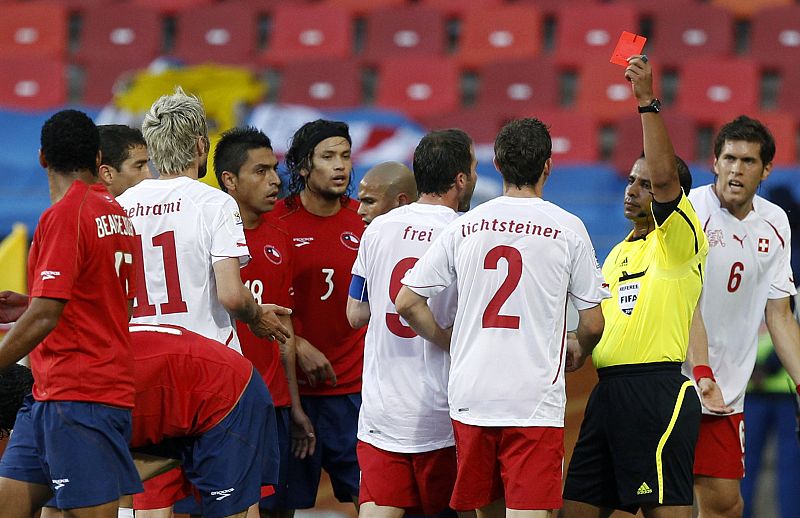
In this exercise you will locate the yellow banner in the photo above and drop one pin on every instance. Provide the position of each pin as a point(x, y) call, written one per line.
point(13, 260)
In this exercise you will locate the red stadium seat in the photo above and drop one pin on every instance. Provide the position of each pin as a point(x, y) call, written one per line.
point(481, 124)
point(747, 8)
point(775, 37)
point(404, 31)
point(419, 86)
point(308, 32)
point(75, 6)
point(551, 7)
point(694, 30)
point(788, 98)
point(33, 31)
point(170, 7)
point(499, 33)
point(519, 86)
point(683, 132)
point(459, 8)
point(126, 33)
point(218, 33)
point(603, 91)
point(711, 90)
point(321, 83)
point(587, 33)
point(27, 84)
point(574, 136)
point(364, 7)
point(100, 79)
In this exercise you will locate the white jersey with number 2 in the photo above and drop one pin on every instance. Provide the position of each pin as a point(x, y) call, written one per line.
point(514, 261)
point(404, 393)
point(748, 263)
point(183, 227)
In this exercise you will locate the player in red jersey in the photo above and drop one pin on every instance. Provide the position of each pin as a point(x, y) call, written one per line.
point(79, 263)
point(197, 402)
point(246, 168)
point(326, 230)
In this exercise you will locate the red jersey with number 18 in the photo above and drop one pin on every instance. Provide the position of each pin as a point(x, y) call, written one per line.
point(268, 275)
point(324, 251)
point(82, 252)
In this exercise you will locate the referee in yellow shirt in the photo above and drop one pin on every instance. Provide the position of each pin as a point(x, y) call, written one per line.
point(636, 444)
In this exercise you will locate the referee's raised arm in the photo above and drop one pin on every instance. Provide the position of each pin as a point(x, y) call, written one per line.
point(658, 151)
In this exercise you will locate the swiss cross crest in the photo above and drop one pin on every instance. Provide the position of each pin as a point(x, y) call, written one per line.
point(763, 245)
point(715, 238)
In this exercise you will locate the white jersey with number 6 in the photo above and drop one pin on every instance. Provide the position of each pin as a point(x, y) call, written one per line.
point(514, 261)
point(748, 263)
point(404, 387)
point(183, 227)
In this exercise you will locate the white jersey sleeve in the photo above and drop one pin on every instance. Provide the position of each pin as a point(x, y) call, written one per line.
point(227, 232)
point(586, 276)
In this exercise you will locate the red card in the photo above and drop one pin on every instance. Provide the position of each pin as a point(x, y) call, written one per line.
point(629, 44)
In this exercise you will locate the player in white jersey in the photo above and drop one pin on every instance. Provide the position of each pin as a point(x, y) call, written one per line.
point(748, 277)
point(406, 447)
point(515, 260)
point(384, 187)
point(191, 244)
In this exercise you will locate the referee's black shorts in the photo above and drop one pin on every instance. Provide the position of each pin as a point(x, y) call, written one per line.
point(636, 444)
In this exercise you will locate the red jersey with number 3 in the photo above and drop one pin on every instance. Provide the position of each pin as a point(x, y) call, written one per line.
point(268, 275)
point(324, 251)
point(82, 253)
point(185, 383)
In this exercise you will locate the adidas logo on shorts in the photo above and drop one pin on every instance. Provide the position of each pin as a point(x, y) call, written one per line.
point(644, 489)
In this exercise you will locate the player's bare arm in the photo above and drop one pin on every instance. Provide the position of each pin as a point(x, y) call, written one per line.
point(239, 302)
point(785, 333)
point(414, 308)
point(697, 355)
point(314, 364)
point(302, 431)
point(12, 306)
point(36, 322)
point(658, 150)
point(581, 342)
point(358, 313)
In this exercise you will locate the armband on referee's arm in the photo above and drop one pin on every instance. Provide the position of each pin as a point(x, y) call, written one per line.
point(703, 371)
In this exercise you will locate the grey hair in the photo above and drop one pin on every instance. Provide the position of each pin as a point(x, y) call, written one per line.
point(171, 128)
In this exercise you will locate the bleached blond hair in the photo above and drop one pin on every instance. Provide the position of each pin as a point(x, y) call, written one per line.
point(171, 128)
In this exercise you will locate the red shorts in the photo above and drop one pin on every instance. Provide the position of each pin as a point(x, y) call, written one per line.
point(522, 463)
point(163, 491)
point(720, 447)
point(420, 483)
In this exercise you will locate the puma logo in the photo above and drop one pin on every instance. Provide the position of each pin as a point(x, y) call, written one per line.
point(740, 239)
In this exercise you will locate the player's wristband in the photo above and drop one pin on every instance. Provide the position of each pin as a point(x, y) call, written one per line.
point(797, 389)
point(703, 371)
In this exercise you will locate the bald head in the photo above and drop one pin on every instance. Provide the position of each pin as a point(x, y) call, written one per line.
point(384, 187)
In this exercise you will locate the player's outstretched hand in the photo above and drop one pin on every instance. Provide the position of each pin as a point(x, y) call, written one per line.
point(269, 325)
point(711, 397)
point(575, 355)
point(12, 306)
point(314, 364)
point(640, 74)
point(302, 432)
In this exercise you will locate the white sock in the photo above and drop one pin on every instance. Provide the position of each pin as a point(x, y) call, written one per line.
point(125, 513)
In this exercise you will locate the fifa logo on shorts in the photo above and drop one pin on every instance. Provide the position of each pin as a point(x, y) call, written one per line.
point(223, 494)
point(59, 483)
